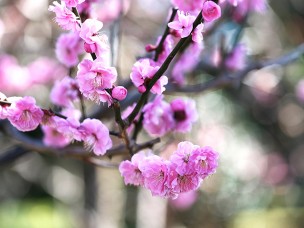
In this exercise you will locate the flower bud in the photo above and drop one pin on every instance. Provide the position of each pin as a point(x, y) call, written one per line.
point(90, 48)
point(211, 11)
point(119, 93)
point(142, 89)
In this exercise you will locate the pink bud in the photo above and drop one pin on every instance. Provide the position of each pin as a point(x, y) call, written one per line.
point(119, 93)
point(141, 89)
point(150, 47)
point(89, 48)
point(211, 11)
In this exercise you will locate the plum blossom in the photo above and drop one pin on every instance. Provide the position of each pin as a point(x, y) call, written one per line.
point(211, 11)
point(53, 138)
point(197, 34)
point(24, 114)
point(95, 136)
point(158, 117)
point(68, 48)
point(143, 71)
point(205, 159)
point(94, 42)
point(73, 3)
point(183, 172)
point(65, 18)
point(184, 114)
point(119, 93)
point(155, 172)
point(65, 92)
point(183, 24)
point(186, 62)
point(236, 60)
point(130, 170)
point(93, 78)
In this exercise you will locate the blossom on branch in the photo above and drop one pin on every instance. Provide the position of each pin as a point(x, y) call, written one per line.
point(24, 114)
point(143, 71)
point(65, 18)
point(211, 11)
point(183, 24)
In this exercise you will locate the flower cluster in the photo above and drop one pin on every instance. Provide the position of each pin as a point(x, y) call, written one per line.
point(188, 166)
point(161, 117)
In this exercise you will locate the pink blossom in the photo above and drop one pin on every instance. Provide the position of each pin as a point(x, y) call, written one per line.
point(184, 200)
point(236, 60)
point(186, 182)
point(94, 42)
point(158, 117)
point(300, 90)
point(95, 136)
point(166, 49)
point(65, 92)
point(188, 6)
point(65, 18)
point(73, 3)
point(197, 34)
point(14, 78)
point(68, 47)
point(211, 11)
point(205, 159)
point(53, 138)
point(184, 114)
point(155, 171)
point(144, 70)
point(93, 78)
point(186, 63)
point(24, 114)
point(183, 24)
point(119, 93)
point(246, 6)
point(182, 157)
point(45, 70)
point(130, 170)
point(68, 127)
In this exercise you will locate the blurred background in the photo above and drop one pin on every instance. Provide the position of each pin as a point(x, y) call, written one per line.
point(257, 128)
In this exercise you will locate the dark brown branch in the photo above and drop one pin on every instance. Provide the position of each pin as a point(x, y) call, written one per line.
point(160, 72)
point(160, 47)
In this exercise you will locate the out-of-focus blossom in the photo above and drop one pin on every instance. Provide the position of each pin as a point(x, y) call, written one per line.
point(65, 92)
point(45, 70)
point(300, 90)
point(183, 24)
point(184, 114)
point(24, 114)
point(236, 60)
point(158, 117)
point(188, 6)
point(186, 62)
point(184, 200)
point(72, 3)
point(68, 48)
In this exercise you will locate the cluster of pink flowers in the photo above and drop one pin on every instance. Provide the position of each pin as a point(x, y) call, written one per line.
point(188, 166)
point(161, 117)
